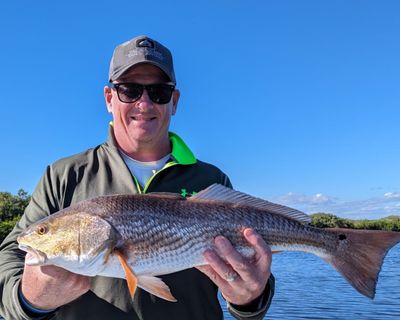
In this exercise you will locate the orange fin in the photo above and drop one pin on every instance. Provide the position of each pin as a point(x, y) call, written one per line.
point(156, 287)
point(130, 275)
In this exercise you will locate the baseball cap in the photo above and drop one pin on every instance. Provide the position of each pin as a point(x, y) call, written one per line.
point(141, 49)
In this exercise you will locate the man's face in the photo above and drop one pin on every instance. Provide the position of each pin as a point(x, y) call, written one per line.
point(143, 121)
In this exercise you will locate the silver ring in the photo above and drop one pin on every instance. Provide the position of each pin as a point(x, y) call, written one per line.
point(230, 276)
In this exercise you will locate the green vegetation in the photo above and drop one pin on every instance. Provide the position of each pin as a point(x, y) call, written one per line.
point(13, 205)
point(6, 227)
point(11, 209)
point(325, 220)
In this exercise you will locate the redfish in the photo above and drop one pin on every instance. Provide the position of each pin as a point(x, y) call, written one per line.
point(139, 237)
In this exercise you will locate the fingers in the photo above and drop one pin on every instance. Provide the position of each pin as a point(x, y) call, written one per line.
point(240, 279)
point(223, 273)
point(234, 260)
point(263, 252)
point(239, 263)
point(230, 266)
point(213, 275)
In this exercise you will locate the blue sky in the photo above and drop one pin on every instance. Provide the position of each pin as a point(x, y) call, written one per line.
point(297, 101)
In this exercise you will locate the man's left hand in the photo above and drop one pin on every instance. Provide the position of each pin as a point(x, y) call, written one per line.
point(240, 279)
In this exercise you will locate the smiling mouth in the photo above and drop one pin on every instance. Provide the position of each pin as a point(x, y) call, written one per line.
point(34, 257)
point(140, 118)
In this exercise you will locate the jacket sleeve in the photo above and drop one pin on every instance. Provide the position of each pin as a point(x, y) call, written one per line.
point(255, 312)
point(12, 259)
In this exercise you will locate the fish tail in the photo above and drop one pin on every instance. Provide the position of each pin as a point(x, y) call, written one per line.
point(360, 255)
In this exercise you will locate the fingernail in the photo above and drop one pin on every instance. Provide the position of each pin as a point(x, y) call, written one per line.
point(221, 241)
point(248, 232)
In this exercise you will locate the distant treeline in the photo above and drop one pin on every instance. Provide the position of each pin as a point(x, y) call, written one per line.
point(13, 206)
point(325, 220)
point(11, 209)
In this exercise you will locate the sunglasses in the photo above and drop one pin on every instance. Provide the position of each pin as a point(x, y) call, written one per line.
point(160, 93)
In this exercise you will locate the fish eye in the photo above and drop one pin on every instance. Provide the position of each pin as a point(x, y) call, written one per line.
point(42, 229)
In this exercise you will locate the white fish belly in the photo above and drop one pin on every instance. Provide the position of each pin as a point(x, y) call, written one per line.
point(163, 263)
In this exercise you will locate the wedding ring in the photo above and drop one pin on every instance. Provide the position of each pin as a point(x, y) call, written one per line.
point(230, 276)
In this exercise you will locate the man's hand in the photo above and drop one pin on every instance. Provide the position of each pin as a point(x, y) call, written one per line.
point(49, 287)
point(240, 280)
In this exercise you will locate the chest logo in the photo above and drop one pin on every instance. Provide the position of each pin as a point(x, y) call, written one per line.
point(185, 193)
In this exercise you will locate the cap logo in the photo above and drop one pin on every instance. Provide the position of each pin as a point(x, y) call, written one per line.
point(146, 43)
point(145, 47)
point(139, 50)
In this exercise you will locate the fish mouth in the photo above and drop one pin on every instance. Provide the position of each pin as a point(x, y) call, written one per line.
point(34, 257)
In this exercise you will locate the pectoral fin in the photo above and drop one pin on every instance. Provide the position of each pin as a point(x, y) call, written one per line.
point(156, 287)
point(131, 278)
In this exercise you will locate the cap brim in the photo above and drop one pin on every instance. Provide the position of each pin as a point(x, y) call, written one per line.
point(121, 72)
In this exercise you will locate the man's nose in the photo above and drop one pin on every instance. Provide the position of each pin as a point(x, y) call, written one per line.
point(144, 101)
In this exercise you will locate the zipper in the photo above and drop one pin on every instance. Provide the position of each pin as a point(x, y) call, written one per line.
point(144, 190)
point(137, 184)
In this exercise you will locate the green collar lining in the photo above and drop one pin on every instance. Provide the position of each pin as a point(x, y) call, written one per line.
point(180, 151)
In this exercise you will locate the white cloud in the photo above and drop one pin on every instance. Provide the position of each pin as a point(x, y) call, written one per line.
point(372, 208)
point(392, 195)
point(299, 198)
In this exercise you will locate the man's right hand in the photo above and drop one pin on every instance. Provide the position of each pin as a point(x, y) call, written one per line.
point(49, 287)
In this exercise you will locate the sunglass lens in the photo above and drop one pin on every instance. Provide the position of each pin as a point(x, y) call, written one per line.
point(130, 93)
point(160, 93)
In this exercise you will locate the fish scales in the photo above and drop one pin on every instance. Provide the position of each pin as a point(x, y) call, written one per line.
point(154, 234)
point(173, 228)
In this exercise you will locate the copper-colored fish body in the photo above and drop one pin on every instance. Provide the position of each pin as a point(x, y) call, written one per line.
point(141, 236)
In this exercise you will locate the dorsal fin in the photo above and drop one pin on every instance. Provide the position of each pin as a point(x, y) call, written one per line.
point(166, 195)
point(219, 192)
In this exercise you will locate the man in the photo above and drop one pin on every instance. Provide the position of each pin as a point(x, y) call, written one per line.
point(140, 156)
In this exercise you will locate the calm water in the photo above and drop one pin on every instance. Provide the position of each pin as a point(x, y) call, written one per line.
point(308, 288)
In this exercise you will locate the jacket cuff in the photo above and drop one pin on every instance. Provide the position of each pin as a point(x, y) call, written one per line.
point(257, 308)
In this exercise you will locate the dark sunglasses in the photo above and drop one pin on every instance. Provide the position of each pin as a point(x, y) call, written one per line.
point(160, 93)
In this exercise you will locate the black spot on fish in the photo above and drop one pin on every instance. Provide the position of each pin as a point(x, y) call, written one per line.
point(342, 237)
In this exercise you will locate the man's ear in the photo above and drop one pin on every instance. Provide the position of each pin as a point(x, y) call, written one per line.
point(108, 98)
point(175, 98)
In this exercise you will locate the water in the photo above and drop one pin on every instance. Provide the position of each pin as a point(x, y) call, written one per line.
point(308, 288)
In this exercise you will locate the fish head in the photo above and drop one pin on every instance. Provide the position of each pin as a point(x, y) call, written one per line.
point(72, 240)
